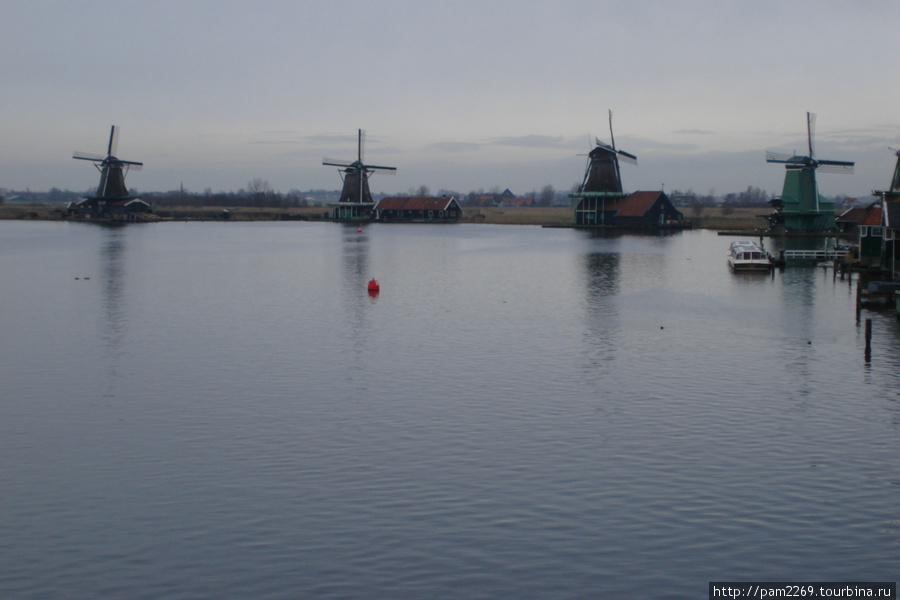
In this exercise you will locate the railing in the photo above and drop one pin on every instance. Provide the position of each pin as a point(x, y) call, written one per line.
point(814, 254)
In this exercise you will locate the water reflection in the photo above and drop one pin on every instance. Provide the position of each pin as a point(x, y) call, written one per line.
point(798, 298)
point(355, 262)
point(602, 330)
point(112, 258)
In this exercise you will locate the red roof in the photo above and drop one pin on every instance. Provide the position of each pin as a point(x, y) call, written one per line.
point(517, 201)
point(414, 203)
point(854, 215)
point(873, 216)
point(870, 215)
point(635, 205)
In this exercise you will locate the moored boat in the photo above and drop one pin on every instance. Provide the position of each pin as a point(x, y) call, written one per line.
point(748, 256)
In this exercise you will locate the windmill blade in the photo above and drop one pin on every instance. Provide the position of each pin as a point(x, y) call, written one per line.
point(778, 157)
point(810, 130)
point(612, 138)
point(600, 144)
point(361, 151)
point(377, 168)
point(130, 163)
point(836, 169)
point(88, 156)
point(631, 159)
point(113, 141)
point(840, 167)
point(133, 166)
point(333, 162)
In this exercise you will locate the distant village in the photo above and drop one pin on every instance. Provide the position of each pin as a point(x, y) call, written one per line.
point(259, 193)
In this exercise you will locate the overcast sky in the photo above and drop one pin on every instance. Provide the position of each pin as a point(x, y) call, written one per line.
point(457, 95)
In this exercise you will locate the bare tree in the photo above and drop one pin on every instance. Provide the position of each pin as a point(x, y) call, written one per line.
point(548, 195)
point(259, 186)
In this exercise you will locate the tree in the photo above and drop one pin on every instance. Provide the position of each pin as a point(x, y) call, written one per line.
point(258, 191)
point(259, 186)
point(548, 195)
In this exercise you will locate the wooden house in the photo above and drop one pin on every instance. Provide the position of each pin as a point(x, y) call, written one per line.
point(640, 210)
point(892, 238)
point(417, 208)
point(871, 235)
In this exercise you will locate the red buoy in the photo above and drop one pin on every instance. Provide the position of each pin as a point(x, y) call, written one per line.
point(359, 230)
point(373, 286)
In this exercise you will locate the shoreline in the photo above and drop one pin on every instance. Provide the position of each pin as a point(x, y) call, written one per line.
point(740, 219)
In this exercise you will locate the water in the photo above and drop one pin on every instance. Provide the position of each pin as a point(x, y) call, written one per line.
point(220, 410)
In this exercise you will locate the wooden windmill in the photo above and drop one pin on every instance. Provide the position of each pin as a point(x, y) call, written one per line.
point(804, 208)
point(602, 181)
point(356, 199)
point(894, 191)
point(602, 173)
point(112, 192)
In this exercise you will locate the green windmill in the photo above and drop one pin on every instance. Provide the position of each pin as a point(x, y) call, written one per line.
point(804, 208)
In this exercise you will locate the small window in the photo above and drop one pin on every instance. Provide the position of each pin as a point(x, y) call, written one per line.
point(875, 232)
point(863, 231)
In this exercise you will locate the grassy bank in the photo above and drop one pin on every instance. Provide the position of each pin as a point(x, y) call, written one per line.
point(742, 219)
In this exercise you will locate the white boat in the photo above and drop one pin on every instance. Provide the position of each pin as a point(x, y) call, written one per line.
point(747, 255)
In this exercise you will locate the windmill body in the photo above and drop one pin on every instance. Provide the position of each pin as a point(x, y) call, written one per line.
point(895, 181)
point(356, 199)
point(892, 194)
point(112, 198)
point(602, 173)
point(805, 209)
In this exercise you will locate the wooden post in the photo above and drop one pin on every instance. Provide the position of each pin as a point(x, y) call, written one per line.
point(868, 340)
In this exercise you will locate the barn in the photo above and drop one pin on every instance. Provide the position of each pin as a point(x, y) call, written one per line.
point(417, 208)
point(639, 210)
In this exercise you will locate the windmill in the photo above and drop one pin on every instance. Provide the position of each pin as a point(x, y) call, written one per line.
point(356, 181)
point(893, 192)
point(112, 170)
point(602, 173)
point(602, 181)
point(895, 181)
point(804, 208)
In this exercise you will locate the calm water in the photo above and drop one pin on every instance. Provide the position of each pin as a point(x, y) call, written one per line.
point(220, 410)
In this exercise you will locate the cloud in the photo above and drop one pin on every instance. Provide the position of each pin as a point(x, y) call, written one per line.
point(531, 141)
point(454, 147)
point(694, 132)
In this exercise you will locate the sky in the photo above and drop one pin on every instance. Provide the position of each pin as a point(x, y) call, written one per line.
point(458, 95)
